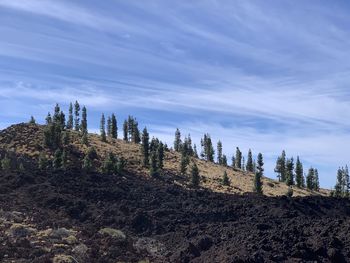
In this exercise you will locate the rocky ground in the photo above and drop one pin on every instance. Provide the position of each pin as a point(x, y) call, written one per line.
point(75, 217)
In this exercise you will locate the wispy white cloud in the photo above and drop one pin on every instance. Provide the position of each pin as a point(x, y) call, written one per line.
point(258, 74)
point(88, 96)
point(65, 11)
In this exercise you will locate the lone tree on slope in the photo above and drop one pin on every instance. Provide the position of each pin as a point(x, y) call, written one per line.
point(258, 175)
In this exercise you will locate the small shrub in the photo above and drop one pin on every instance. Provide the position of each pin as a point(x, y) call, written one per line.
point(225, 179)
point(289, 192)
point(6, 163)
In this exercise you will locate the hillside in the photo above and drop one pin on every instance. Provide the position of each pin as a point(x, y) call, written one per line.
point(69, 216)
point(28, 140)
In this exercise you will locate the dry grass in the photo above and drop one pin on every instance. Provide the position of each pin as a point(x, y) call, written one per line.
point(27, 139)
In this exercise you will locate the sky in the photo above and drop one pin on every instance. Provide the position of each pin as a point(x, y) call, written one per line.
point(266, 75)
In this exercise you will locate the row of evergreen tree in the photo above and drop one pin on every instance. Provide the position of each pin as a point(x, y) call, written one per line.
point(57, 136)
point(293, 174)
point(342, 186)
point(208, 152)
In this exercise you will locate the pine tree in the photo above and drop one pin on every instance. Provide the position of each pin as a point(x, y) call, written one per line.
point(346, 181)
point(89, 157)
point(283, 166)
point(340, 181)
point(59, 118)
point(48, 119)
point(83, 125)
point(224, 160)
point(114, 127)
point(238, 159)
point(186, 146)
point(76, 114)
point(130, 127)
point(258, 175)
point(125, 131)
point(177, 141)
point(109, 127)
point(145, 147)
point(195, 152)
point(32, 120)
point(102, 128)
point(108, 164)
point(65, 138)
point(57, 114)
point(310, 179)
point(84, 139)
point(289, 172)
point(207, 148)
point(219, 150)
point(189, 145)
point(249, 166)
point(225, 179)
point(185, 160)
point(160, 156)
point(135, 132)
point(195, 179)
point(299, 173)
point(70, 117)
point(119, 166)
point(317, 182)
point(233, 161)
point(54, 129)
point(280, 168)
point(243, 164)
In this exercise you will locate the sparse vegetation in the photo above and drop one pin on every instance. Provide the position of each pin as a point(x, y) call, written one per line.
point(6, 163)
point(225, 179)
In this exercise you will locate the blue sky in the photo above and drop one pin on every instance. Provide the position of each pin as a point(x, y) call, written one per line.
point(266, 75)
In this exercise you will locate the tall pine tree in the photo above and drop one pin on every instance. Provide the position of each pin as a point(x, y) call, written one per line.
point(219, 154)
point(76, 116)
point(250, 161)
point(310, 179)
point(280, 168)
point(103, 128)
point(177, 141)
point(299, 177)
point(114, 127)
point(125, 131)
point(258, 175)
point(145, 147)
point(290, 172)
point(70, 117)
point(238, 159)
point(84, 124)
